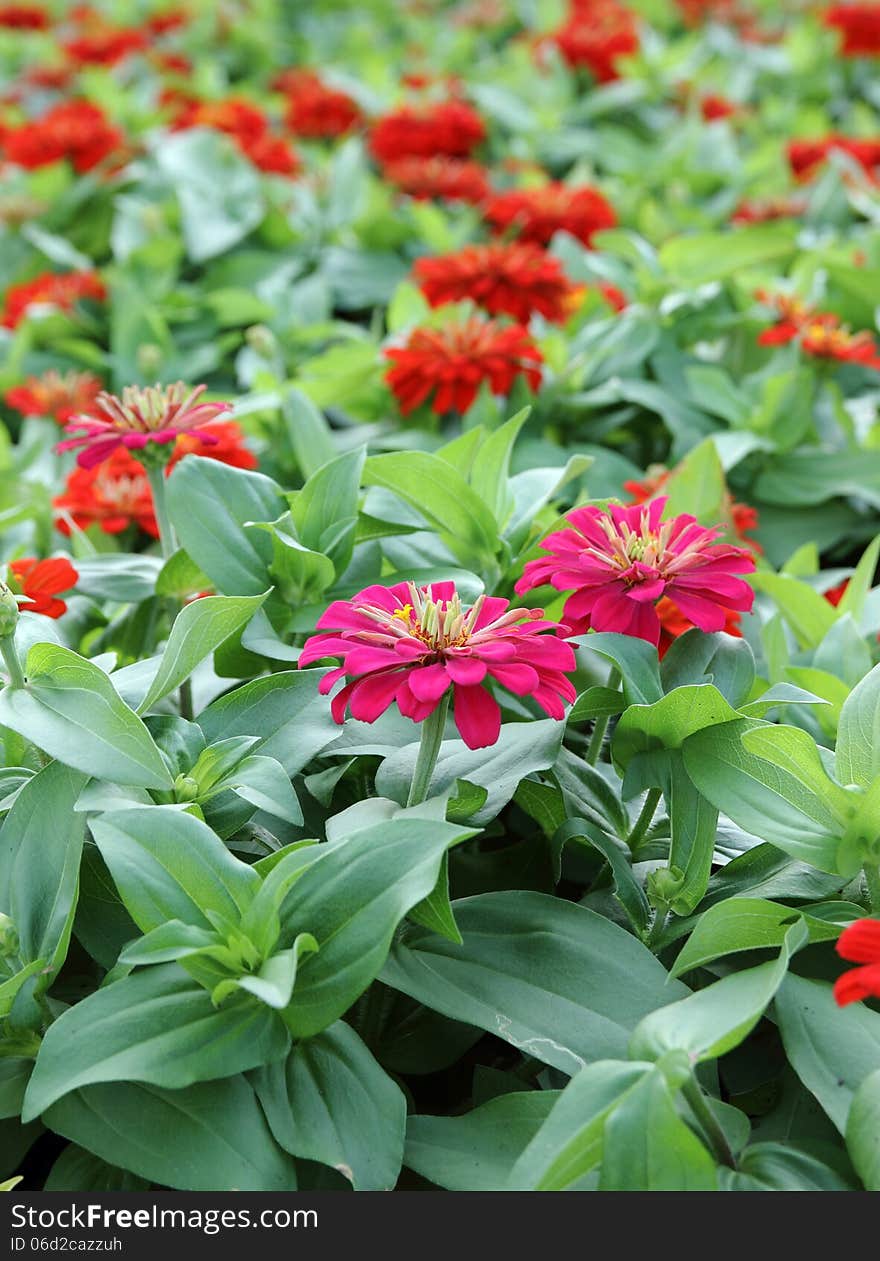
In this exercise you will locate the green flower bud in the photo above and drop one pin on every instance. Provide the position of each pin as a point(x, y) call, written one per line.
point(8, 612)
point(262, 340)
point(186, 788)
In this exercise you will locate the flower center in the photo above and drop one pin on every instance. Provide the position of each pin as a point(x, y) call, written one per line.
point(438, 624)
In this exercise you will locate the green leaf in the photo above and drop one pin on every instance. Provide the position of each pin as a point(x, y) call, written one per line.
point(351, 899)
point(440, 495)
point(477, 1151)
point(808, 613)
point(554, 979)
point(747, 924)
point(209, 504)
point(265, 784)
point(628, 890)
point(776, 1167)
point(218, 190)
point(668, 722)
point(72, 711)
point(648, 1147)
point(857, 759)
point(40, 847)
point(697, 485)
point(310, 435)
point(693, 823)
point(273, 984)
point(770, 802)
point(198, 629)
point(211, 1136)
point(713, 1021)
point(330, 1101)
point(697, 257)
point(637, 662)
point(491, 467)
point(325, 511)
point(853, 599)
point(863, 1131)
point(156, 1026)
point(569, 1143)
point(78, 1170)
point(167, 865)
point(832, 1049)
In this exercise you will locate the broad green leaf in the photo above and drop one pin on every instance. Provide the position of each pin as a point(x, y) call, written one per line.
point(491, 467)
point(721, 659)
point(637, 662)
point(265, 784)
point(832, 1049)
point(857, 758)
point(863, 1131)
point(72, 711)
point(331, 1102)
point(697, 485)
point(628, 890)
point(78, 1170)
point(648, 1147)
point(779, 1167)
point(853, 599)
point(697, 257)
point(808, 613)
point(325, 510)
point(477, 1151)
point(167, 864)
point(554, 979)
point(211, 1136)
point(198, 629)
point(668, 722)
point(693, 823)
point(218, 189)
point(156, 1026)
point(310, 435)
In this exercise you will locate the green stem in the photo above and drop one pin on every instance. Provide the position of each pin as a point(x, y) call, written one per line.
point(656, 930)
point(709, 1123)
point(429, 750)
point(645, 819)
point(13, 665)
point(872, 880)
point(594, 748)
point(186, 700)
point(156, 476)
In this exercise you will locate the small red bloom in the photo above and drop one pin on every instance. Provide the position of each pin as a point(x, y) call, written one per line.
point(451, 129)
point(835, 594)
point(168, 20)
point(410, 645)
point(713, 107)
point(50, 289)
point(222, 441)
point(76, 130)
point(246, 124)
point(619, 562)
point(535, 214)
point(858, 26)
point(452, 363)
point(673, 623)
point(42, 581)
point(820, 333)
point(60, 397)
point(859, 943)
point(24, 17)
point(596, 35)
point(315, 110)
point(615, 297)
point(104, 45)
point(439, 178)
point(749, 211)
point(518, 279)
point(113, 495)
point(804, 156)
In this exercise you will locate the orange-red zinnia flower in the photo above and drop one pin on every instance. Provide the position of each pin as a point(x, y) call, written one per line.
point(314, 109)
point(50, 289)
point(535, 214)
point(438, 178)
point(446, 128)
point(41, 581)
point(24, 17)
point(452, 362)
point(596, 35)
point(858, 26)
point(859, 943)
point(76, 130)
point(53, 394)
point(517, 279)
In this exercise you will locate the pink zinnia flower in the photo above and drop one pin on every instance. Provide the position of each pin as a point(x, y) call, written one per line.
point(411, 644)
point(155, 414)
point(619, 562)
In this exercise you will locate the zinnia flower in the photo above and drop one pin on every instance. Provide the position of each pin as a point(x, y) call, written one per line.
point(112, 495)
point(222, 441)
point(456, 359)
point(76, 130)
point(749, 211)
point(859, 943)
point(858, 26)
point(742, 517)
point(23, 17)
point(412, 644)
point(673, 624)
point(820, 333)
point(535, 214)
point(141, 416)
point(104, 45)
point(41, 581)
point(53, 290)
point(804, 156)
point(247, 125)
point(448, 128)
point(596, 35)
point(438, 178)
point(518, 279)
point(314, 109)
point(56, 395)
point(619, 562)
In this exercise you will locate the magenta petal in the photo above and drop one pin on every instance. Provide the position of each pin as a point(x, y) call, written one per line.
point(429, 683)
point(466, 670)
point(370, 697)
point(410, 705)
point(516, 677)
point(477, 716)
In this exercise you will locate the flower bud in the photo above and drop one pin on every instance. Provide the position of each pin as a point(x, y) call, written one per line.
point(149, 359)
point(186, 788)
point(262, 341)
point(8, 612)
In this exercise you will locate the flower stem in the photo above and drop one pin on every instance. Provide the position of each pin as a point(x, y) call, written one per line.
point(872, 880)
point(643, 822)
point(429, 750)
point(709, 1123)
point(13, 665)
point(594, 748)
point(156, 476)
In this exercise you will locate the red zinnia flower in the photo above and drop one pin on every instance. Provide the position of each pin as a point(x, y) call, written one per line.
point(54, 395)
point(517, 279)
point(222, 441)
point(412, 644)
point(804, 156)
point(113, 495)
point(820, 333)
point(315, 110)
point(141, 416)
point(858, 26)
point(249, 128)
point(24, 17)
point(42, 581)
point(447, 128)
point(619, 562)
point(169, 20)
point(76, 130)
point(713, 107)
point(446, 179)
point(749, 211)
point(596, 35)
point(50, 289)
point(105, 45)
point(742, 517)
point(535, 214)
point(835, 594)
point(455, 360)
point(859, 943)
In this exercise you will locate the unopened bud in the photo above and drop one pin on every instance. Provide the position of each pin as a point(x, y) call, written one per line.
point(149, 359)
point(186, 788)
point(262, 341)
point(8, 612)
